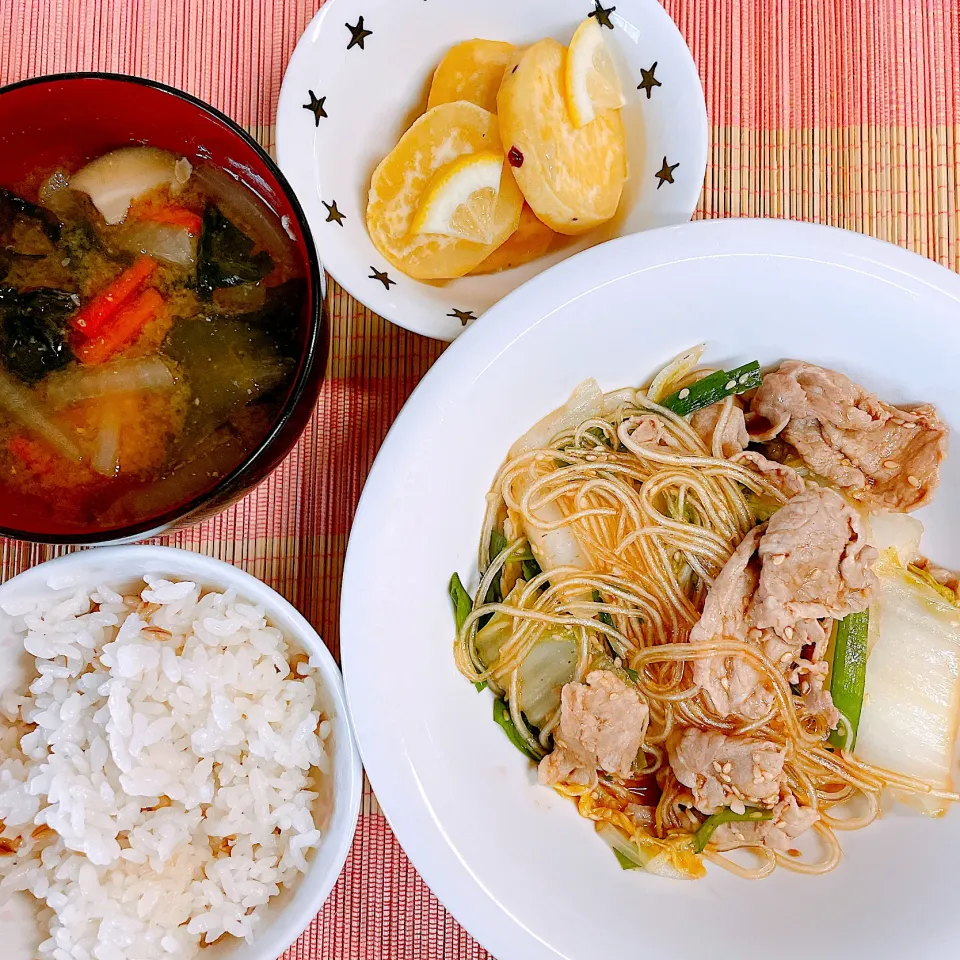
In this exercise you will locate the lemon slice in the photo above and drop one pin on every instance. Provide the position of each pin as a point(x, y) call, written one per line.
point(461, 198)
point(444, 134)
point(591, 84)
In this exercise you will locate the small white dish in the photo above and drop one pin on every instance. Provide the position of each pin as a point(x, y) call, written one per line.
point(513, 861)
point(345, 102)
point(286, 916)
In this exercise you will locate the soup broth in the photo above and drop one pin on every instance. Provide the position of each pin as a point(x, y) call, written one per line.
point(149, 334)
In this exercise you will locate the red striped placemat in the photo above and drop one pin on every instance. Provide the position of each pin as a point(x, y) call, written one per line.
point(838, 111)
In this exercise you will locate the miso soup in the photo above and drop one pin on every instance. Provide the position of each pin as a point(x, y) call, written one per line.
point(149, 318)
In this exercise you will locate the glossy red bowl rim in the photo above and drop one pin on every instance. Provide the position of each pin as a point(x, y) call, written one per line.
point(317, 343)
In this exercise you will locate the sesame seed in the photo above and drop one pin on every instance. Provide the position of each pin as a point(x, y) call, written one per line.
point(725, 683)
point(725, 777)
point(787, 657)
point(744, 377)
point(911, 426)
point(727, 767)
point(804, 687)
point(913, 481)
point(684, 393)
point(717, 767)
point(738, 807)
point(778, 559)
point(730, 385)
point(754, 633)
point(788, 633)
point(891, 464)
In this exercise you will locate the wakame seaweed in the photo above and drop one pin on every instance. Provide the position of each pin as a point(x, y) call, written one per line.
point(225, 256)
point(11, 205)
point(33, 331)
point(228, 363)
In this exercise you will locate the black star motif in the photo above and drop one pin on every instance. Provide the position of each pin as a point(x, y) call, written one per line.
point(358, 34)
point(464, 316)
point(665, 173)
point(382, 277)
point(315, 106)
point(602, 14)
point(333, 214)
point(649, 80)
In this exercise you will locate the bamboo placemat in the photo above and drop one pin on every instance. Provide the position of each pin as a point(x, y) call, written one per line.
point(837, 111)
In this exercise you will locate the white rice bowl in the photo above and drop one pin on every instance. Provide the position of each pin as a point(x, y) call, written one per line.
point(165, 768)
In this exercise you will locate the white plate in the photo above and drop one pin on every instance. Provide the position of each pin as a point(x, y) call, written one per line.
point(370, 93)
point(287, 915)
point(513, 861)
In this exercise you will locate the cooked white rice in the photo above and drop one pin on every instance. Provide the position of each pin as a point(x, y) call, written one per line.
point(156, 781)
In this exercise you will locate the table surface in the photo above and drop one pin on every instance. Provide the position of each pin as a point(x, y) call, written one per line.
point(836, 111)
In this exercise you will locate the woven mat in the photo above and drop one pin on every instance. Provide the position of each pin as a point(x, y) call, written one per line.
point(837, 111)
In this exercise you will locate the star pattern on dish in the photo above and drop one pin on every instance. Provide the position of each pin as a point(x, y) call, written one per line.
point(649, 81)
point(358, 34)
point(665, 173)
point(464, 316)
point(602, 14)
point(333, 214)
point(315, 106)
point(382, 276)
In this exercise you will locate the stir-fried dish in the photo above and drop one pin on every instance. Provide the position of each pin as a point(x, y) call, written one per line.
point(149, 321)
point(703, 611)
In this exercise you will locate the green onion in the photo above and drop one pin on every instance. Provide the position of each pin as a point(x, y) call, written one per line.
point(625, 862)
point(713, 388)
point(462, 604)
point(848, 676)
point(501, 715)
point(702, 837)
point(498, 543)
point(603, 617)
point(531, 569)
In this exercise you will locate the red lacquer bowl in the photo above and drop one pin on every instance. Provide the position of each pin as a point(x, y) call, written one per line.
point(75, 117)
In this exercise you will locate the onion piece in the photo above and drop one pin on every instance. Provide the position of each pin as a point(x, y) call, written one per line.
point(24, 407)
point(585, 403)
point(106, 453)
point(116, 179)
point(674, 373)
point(655, 856)
point(240, 205)
point(118, 376)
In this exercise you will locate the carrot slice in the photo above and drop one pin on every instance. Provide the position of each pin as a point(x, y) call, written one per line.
point(89, 320)
point(175, 217)
point(126, 327)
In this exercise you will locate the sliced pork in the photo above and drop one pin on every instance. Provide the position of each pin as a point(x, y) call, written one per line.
point(885, 456)
point(602, 725)
point(722, 771)
point(789, 820)
point(810, 562)
point(732, 436)
point(815, 562)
